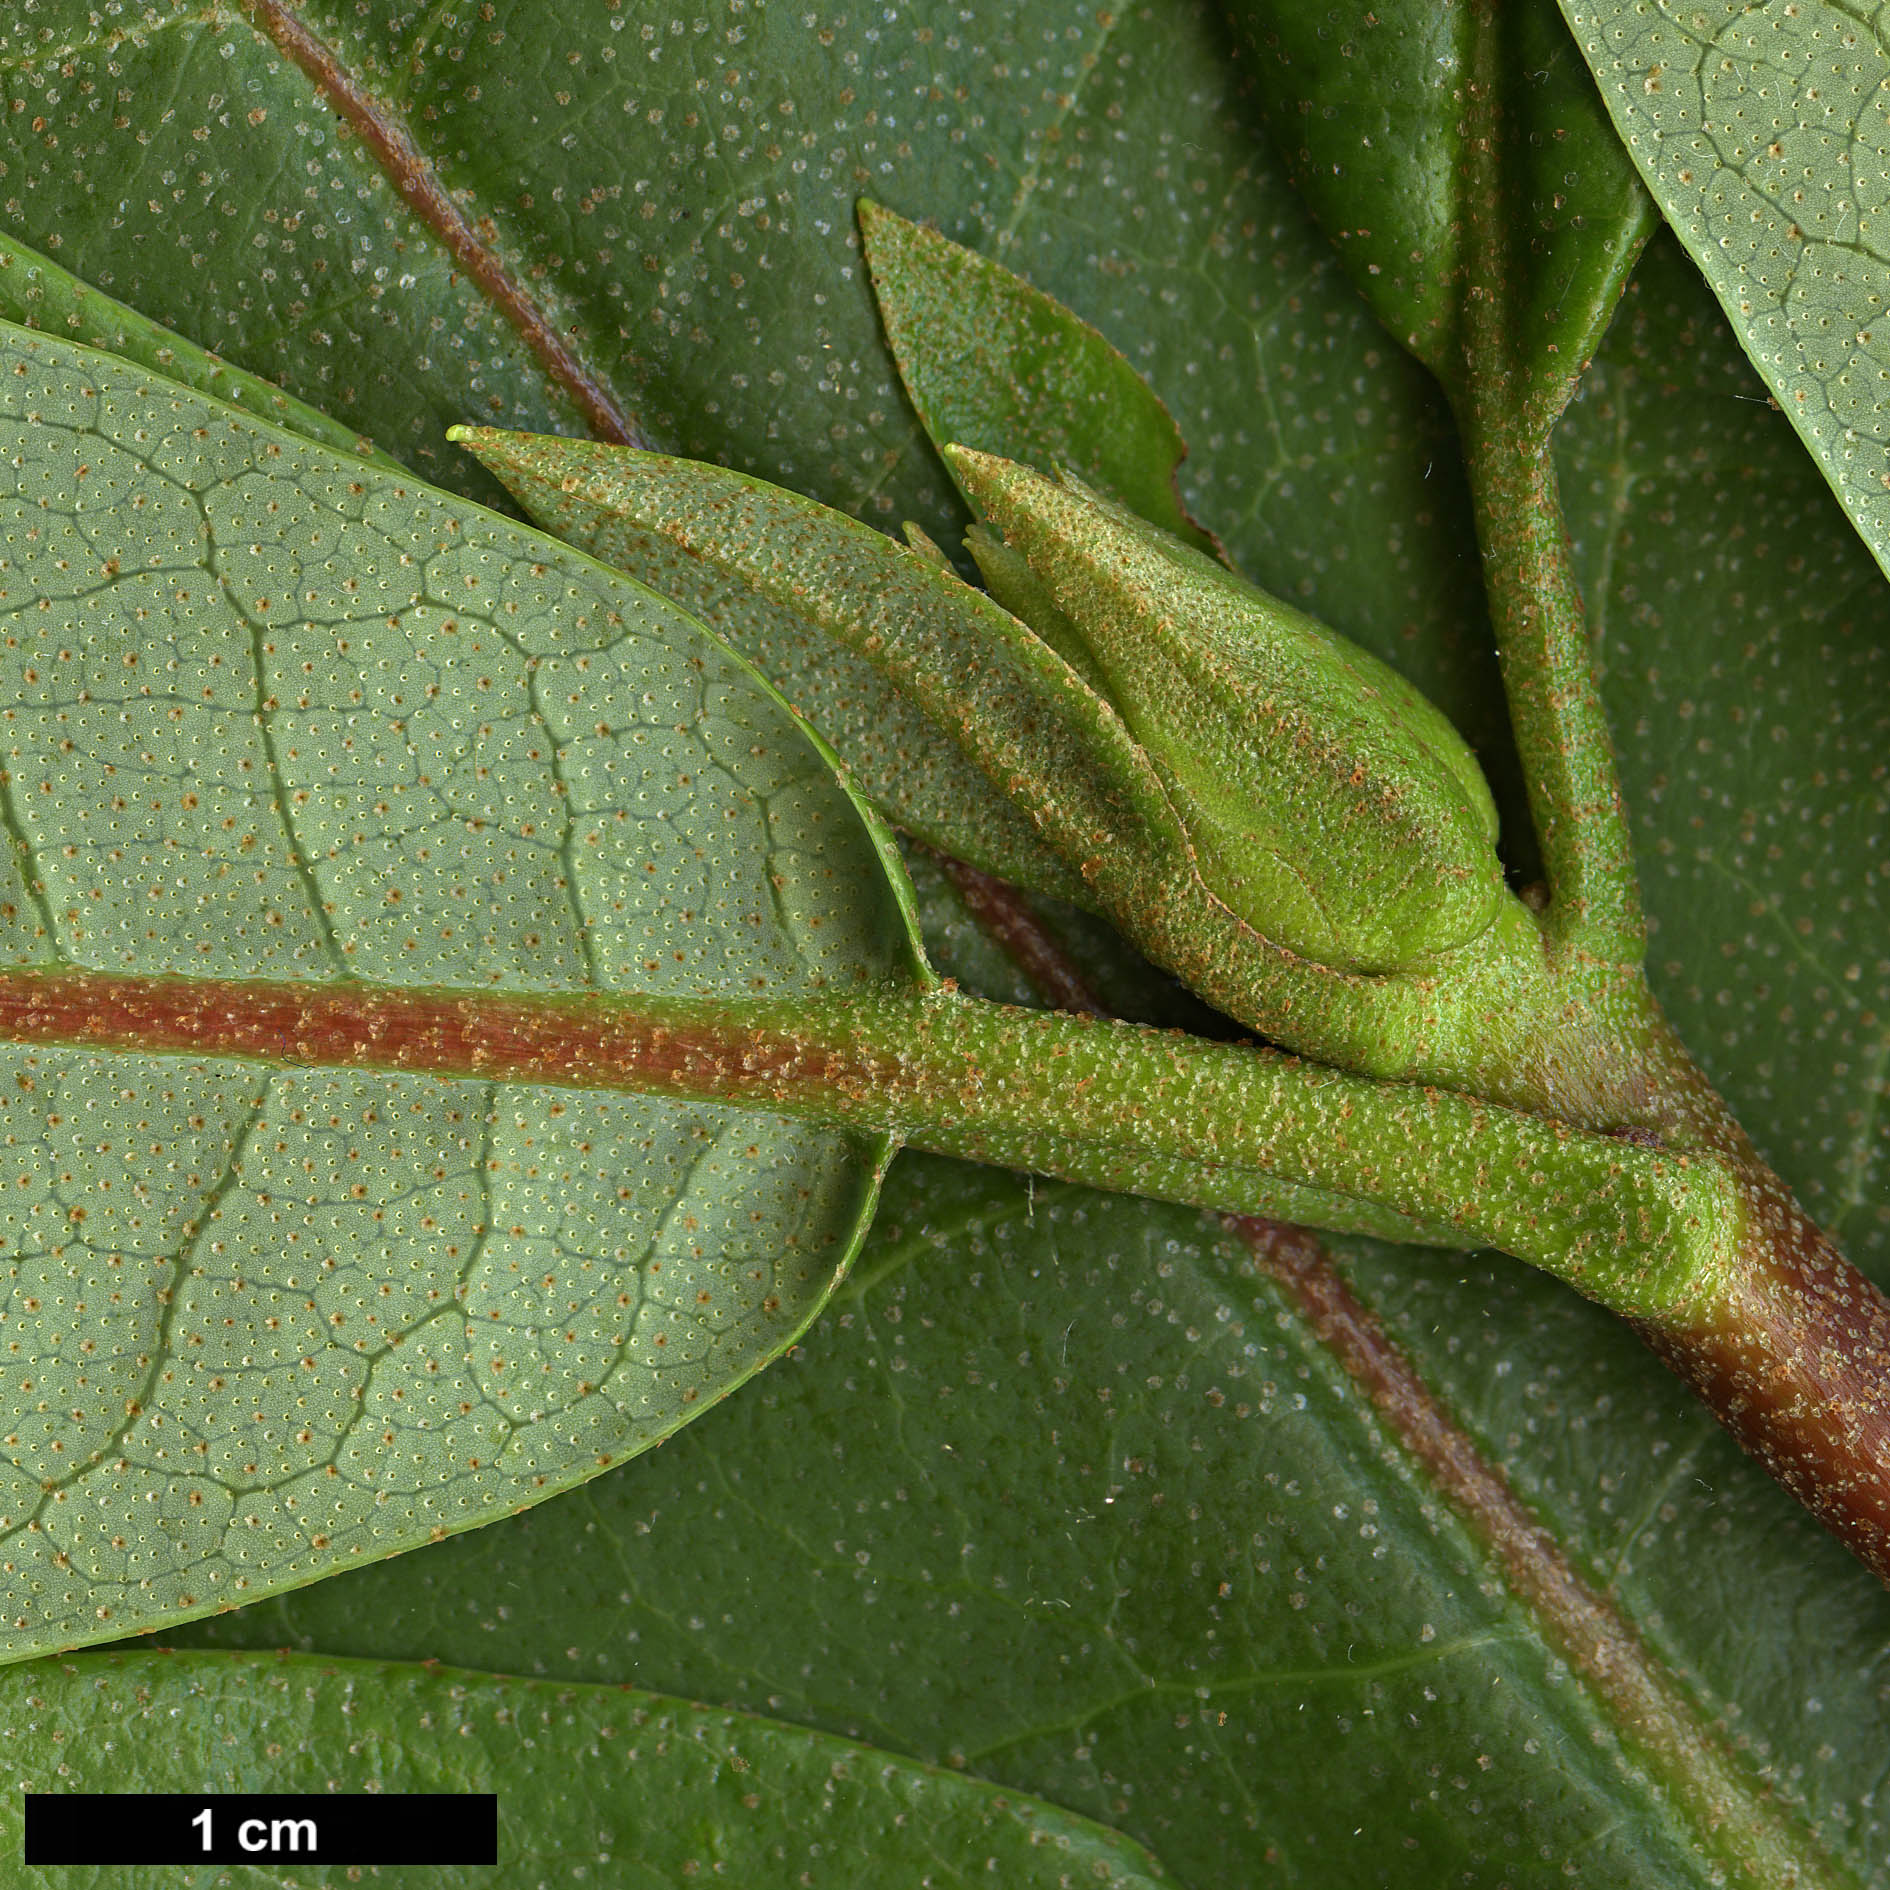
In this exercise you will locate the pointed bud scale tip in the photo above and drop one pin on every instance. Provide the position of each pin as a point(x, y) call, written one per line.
point(1328, 803)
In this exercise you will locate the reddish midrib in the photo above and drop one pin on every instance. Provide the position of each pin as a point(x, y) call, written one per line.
point(408, 169)
point(573, 1041)
point(1007, 920)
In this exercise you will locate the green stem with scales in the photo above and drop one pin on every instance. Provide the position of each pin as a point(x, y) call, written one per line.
point(1219, 1125)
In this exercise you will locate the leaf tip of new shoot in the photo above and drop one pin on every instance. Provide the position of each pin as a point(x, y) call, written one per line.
point(973, 466)
point(883, 232)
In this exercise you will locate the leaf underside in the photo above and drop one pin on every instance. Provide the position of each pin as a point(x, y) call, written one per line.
point(269, 713)
point(1760, 132)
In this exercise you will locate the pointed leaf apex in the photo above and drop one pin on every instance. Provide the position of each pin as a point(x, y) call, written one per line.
point(991, 361)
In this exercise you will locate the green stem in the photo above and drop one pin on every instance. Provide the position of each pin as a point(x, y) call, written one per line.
point(1555, 708)
point(1643, 1231)
point(1633, 1227)
point(1700, 1248)
point(1507, 397)
point(1243, 1191)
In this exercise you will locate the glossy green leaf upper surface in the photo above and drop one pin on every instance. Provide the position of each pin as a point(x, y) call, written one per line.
point(269, 713)
point(584, 1775)
point(1761, 133)
point(1115, 163)
point(1455, 152)
point(995, 365)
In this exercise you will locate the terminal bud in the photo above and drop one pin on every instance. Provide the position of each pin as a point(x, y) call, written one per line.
point(1328, 804)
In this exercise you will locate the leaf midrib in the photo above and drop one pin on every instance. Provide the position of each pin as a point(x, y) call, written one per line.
point(413, 176)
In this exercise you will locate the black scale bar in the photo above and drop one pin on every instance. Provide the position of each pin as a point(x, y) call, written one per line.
point(262, 1828)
